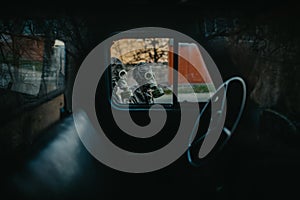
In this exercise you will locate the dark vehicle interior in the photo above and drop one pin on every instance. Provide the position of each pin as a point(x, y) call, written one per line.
point(47, 146)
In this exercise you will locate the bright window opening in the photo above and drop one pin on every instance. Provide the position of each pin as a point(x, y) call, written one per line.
point(195, 80)
point(140, 72)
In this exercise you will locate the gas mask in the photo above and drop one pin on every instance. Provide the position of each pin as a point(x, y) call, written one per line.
point(148, 87)
point(121, 91)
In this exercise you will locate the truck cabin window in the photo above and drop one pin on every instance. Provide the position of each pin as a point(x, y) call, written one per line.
point(141, 72)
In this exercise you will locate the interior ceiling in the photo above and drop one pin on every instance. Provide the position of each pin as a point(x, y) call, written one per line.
point(117, 8)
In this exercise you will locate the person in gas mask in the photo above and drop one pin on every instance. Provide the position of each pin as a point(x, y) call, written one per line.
point(121, 92)
point(148, 88)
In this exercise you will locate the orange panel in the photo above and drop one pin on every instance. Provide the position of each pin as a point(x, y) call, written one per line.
point(190, 65)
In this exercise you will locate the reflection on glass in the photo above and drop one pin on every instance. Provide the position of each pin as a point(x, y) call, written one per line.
point(27, 63)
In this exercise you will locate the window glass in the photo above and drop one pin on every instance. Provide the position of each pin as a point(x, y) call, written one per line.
point(192, 67)
point(140, 72)
point(29, 64)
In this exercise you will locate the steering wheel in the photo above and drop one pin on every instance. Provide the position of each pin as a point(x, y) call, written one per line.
point(227, 132)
